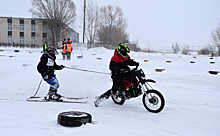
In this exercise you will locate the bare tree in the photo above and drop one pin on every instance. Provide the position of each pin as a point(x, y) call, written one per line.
point(185, 49)
point(204, 51)
point(212, 49)
point(58, 13)
point(215, 38)
point(113, 26)
point(135, 44)
point(175, 47)
point(148, 47)
point(92, 21)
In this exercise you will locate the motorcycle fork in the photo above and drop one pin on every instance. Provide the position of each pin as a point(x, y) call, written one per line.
point(145, 89)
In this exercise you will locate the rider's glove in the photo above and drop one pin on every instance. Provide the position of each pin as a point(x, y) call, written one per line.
point(137, 64)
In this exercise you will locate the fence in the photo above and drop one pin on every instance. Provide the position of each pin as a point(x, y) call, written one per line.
point(76, 46)
point(19, 45)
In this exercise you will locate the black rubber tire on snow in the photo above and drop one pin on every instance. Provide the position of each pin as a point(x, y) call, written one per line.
point(74, 118)
point(121, 97)
point(214, 72)
point(159, 97)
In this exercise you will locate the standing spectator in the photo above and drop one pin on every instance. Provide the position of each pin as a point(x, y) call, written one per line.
point(44, 47)
point(69, 49)
point(63, 48)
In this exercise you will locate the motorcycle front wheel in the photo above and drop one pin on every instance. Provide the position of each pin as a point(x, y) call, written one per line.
point(154, 101)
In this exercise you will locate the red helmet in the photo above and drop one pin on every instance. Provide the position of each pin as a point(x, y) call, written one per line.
point(51, 50)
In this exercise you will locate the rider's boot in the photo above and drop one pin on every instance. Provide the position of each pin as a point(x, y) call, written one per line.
point(99, 99)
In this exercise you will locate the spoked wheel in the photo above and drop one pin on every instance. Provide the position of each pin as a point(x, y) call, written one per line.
point(118, 97)
point(153, 101)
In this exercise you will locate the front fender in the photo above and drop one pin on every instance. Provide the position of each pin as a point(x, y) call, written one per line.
point(147, 80)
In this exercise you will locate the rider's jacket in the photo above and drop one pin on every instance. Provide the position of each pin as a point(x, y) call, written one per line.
point(117, 63)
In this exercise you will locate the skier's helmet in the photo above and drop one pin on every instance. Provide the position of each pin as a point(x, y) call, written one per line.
point(122, 50)
point(51, 50)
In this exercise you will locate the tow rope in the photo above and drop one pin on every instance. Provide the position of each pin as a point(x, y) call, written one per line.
point(88, 70)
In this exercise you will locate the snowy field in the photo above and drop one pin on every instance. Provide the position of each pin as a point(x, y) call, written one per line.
point(192, 96)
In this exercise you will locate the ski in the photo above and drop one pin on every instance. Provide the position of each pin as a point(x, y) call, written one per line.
point(82, 102)
point(66, 99)
point(75, 98)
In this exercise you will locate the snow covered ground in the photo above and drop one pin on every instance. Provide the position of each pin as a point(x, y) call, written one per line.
point(192, 96)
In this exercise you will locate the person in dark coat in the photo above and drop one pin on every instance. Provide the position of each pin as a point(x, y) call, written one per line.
point(118, 65)
point(46, 68)
point(63, 45)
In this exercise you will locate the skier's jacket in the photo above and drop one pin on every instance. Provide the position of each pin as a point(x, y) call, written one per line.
point(117, 63)
point(63, 46)
point(69, 46)
point(47, 65)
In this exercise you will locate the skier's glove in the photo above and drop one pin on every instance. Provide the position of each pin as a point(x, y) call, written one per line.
point(62, 66)
point(45, 77)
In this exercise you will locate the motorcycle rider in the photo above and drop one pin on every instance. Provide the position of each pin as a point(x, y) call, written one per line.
point(46, 68)
point(118, 66)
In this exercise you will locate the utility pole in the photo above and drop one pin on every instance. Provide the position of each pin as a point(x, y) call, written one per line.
point(84, 20)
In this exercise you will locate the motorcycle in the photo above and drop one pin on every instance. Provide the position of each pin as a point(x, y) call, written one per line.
point(135, 84)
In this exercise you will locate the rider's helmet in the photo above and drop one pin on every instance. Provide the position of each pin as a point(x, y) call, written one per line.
point(122, 50)
point(51, 52)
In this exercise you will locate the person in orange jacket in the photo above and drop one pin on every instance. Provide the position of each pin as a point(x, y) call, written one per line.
point(63, 45)
point(68, 48)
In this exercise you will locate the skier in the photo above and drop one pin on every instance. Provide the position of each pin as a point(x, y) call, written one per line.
point(118, 66)
point(46, 68)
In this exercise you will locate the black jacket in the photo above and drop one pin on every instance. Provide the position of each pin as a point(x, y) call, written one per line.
point(47, 65)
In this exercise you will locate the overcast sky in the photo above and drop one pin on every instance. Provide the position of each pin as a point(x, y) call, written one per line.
point(157, 23)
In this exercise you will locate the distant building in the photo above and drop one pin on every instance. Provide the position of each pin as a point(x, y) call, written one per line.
point(29, 32)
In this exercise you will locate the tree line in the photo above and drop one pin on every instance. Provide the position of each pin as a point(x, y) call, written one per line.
point(103, 24)
point(212, 49)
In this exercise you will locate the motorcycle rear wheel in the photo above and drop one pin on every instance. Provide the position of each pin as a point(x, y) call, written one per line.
point(156, 102)
point(118, 97)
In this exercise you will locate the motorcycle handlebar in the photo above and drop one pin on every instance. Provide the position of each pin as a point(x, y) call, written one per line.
point(134, 68)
